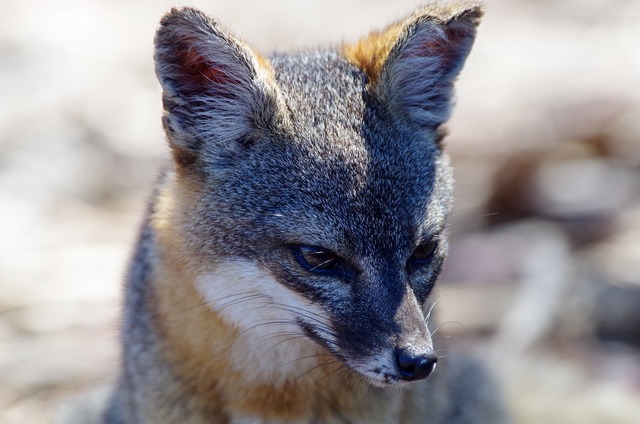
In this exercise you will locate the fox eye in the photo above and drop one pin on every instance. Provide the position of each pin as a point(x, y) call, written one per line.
point(318, 260)
point(423, 254)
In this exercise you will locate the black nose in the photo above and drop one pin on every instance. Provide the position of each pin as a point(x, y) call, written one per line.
point(415, 364)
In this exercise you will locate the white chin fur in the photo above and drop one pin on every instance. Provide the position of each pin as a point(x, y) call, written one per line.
point(252, 300)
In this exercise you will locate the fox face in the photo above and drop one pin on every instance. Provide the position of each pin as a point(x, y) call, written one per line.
point(314, 188)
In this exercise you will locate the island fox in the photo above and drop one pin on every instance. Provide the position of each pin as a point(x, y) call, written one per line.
point(283, 270)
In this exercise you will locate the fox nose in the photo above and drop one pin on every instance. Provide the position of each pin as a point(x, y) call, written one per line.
point(415, 364)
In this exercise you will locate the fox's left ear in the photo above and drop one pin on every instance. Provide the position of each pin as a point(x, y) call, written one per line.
point(411, 65)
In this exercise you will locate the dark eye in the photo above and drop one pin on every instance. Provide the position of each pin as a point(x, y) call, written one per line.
point(423, 254)
point(318, 260)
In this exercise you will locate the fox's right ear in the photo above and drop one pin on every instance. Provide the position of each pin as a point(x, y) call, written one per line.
point(412, 64)
point(218, 94)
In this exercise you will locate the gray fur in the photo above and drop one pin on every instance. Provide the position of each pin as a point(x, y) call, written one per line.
point(309, 152)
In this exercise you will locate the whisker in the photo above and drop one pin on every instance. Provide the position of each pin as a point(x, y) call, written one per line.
point(449, 322)
point(321, 264)
point(315, 367)
point(428, 314)
point(292, 336)
point(303, 312)
point(248, 296)
point(261, 323)
point(461, 221)
point(304, 357)
point(338, 373)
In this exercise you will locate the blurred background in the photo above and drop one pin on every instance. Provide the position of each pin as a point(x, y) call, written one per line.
point(543, 279)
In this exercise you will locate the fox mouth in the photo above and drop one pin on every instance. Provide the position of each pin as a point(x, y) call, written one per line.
point(382, 374)
point(380, 378)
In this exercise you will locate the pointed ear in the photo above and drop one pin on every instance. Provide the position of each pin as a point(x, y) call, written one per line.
point(217, 93)
point(411, 66)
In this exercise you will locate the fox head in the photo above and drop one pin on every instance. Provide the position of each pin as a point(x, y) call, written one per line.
point(315, 189)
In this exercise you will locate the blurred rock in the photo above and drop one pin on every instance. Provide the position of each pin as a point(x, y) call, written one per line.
point(530, 261)
point(612, 271)
point(616, 314)
point(570, 185)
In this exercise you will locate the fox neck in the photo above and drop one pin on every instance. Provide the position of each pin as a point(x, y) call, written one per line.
point(230, 348)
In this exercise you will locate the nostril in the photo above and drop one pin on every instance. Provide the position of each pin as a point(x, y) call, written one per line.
point(406, 361)
point(415, 365)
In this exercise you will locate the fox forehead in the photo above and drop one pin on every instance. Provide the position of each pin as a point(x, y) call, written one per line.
point(343, 171)
point(323, 91)
point(326, 209)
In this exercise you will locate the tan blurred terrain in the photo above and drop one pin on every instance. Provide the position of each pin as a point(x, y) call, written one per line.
point(544, 274)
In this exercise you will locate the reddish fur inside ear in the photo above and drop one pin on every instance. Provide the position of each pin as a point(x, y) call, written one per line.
point(198, 75)
point(201, 72)
point(445, 48)
point(458, 35)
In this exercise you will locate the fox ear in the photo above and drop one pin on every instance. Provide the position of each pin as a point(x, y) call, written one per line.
point(217, 92)
point(412, 65)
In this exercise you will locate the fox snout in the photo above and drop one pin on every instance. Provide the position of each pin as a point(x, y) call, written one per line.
point(383, 334)
point(398, 358)
point(413, 356)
